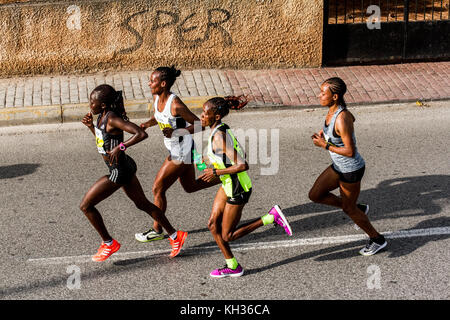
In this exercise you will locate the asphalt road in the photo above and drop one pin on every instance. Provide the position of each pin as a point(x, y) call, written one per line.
point(47, 242)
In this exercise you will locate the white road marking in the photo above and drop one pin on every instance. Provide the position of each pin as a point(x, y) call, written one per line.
point(250, 246)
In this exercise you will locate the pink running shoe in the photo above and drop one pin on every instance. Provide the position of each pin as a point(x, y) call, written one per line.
point(280, 219)
point(227, 272)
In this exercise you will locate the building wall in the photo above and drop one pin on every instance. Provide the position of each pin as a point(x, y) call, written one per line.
point(60, 36)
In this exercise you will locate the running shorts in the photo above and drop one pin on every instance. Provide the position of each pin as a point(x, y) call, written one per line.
point(122, 172)
point(350, 177)
point(240, 199)
point(182, 152)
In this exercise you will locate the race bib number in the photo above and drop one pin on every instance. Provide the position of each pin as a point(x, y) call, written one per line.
point(164, 125)
point(99, 141)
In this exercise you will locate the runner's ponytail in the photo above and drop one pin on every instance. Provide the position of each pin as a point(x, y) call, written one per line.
point(236, 103)
point(118, 106)
point(223, 105)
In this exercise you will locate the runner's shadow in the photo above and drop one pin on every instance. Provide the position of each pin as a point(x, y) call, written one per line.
point(308, 255)
point(17, 170)
point(108, 270)
point(396, 247)
point(404, 246)
point(393, 199)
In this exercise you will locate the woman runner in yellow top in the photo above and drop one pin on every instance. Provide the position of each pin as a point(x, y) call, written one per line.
point(228, 159)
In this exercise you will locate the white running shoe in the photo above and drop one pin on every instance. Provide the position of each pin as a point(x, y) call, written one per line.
point(150, 235)
point(372, 247)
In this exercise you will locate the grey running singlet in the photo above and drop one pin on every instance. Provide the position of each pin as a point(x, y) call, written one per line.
point(341, 163)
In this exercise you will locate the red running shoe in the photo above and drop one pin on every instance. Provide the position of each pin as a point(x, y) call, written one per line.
point(177, 244)
point(105, 251)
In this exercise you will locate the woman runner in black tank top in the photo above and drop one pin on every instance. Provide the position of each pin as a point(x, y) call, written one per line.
point(111, 123)
point(122, 170)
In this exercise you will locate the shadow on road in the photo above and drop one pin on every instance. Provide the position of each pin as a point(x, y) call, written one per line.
point(109, 269)
point(395, 248)
point(17, 170)
point(393, 199)
point(389, 199)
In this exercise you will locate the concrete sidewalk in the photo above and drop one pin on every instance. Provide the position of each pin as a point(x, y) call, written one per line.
point(53, 99)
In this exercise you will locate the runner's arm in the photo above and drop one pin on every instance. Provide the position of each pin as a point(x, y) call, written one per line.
point(224, 145)
point(88, 122)
point(138, 134)
point(181, 110)
point(220, 145)
point(150, 123)
point(344, 128)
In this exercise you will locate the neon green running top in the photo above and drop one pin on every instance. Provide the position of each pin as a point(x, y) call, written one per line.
point(233, 184)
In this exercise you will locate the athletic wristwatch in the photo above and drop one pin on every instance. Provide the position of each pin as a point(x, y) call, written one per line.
point(215, 172)
point(122, 146)
point(327, 147)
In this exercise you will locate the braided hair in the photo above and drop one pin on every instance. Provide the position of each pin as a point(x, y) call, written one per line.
point(222, 106)
point(337, 86)
point(168, 74)
point(112, 99)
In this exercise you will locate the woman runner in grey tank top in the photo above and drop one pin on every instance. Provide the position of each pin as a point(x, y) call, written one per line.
point(347, 169)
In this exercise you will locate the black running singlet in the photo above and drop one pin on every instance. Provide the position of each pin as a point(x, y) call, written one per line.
point(104, 140)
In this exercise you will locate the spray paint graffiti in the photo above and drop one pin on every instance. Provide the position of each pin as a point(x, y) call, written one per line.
point(139, 40)
point(216, 18)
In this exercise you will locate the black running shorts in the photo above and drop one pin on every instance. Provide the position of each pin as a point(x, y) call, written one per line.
point(350, 177)
point(240, 199)
point(122, 172)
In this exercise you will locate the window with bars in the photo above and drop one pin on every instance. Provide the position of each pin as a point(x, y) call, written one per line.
point(355, 11)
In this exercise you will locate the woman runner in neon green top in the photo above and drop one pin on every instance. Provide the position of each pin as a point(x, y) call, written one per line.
point(228, 159)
